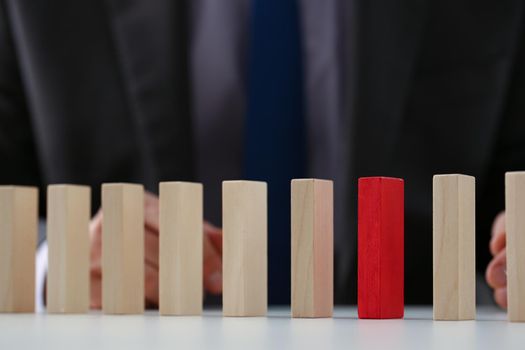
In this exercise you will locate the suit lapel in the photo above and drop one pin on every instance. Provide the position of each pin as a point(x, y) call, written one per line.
point(384, 53)
point(379, 40)
point(150, 39)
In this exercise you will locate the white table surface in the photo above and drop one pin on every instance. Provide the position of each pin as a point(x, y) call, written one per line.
point(276, 331)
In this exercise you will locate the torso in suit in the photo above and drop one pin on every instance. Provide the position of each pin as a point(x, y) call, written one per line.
point(99, 91)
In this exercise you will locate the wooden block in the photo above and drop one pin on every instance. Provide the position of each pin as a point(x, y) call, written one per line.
point(181, 242)
point(312, 248)
point(454, 247)
point(18, 235)
point(122, 248)
point(515, 227)
point(68, 214)
point(380, 247)
point(244, 205)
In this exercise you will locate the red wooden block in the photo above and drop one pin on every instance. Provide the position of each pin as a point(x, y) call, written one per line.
point(380, 247)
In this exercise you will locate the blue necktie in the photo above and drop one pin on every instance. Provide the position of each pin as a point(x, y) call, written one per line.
point(275, 132)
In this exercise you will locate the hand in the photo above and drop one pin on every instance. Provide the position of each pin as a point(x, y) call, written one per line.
point(212, 254)
point(496, 274)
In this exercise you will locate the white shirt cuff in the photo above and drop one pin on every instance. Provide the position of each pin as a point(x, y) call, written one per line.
point(40, 276)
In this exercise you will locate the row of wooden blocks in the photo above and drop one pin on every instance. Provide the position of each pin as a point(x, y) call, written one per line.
point(380, 248)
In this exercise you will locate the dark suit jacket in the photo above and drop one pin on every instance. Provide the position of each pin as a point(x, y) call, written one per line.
point(94, 91)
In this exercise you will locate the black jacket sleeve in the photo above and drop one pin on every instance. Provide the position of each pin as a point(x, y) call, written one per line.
point(18, 157)
point(509, 152)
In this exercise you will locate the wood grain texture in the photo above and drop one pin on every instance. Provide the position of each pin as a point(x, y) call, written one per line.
point(454, 247)
point(515, 230)
point(312, 248)
point(380, 247)
point(122, 248)
point(180, 252)
point(18, 238)
point(68, 214)
point(245, 258)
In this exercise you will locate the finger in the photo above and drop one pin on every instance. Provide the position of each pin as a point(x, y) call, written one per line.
point(498, 226)
point(95, 234)
point(151, 248)
point(498, 243)
point(95, 262)
point(215, 235)
point(151, 284)
point(498, 240)
point(95, 224)
point(212, 268)
point(151, 212)
point(496, 274)
point(95, 290)
point(500, 296)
